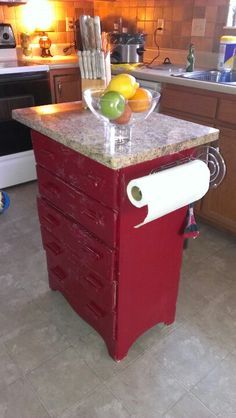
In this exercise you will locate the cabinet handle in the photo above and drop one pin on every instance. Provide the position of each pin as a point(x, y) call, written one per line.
point(96, 217)
point(48, 218)
point(59, 87)
point(93, 282)
point(51, 188)
point(47, 153)
point(92, 252)
point(94, 310)
point(94, 179)
point(61, 275)
point(53, 247)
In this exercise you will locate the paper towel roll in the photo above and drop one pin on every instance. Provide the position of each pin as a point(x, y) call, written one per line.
point(169, 189)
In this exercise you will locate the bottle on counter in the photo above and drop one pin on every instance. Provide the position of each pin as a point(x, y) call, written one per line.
point(190, 59)
point(227, 53)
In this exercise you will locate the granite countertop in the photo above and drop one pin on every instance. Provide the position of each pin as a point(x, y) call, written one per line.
point(80, 130)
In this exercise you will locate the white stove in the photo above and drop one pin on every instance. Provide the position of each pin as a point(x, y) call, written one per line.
point(21, 85)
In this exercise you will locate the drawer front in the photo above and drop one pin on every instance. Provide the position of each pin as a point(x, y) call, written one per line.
point(75, 279)
point(226, 111)
point(189, 101)
point(97, 218)
point(89, 250)
point(91, 177)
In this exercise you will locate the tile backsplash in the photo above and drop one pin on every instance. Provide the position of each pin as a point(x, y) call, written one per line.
point(141, 15)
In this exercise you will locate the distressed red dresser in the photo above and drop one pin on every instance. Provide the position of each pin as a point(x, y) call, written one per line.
point(119, 279)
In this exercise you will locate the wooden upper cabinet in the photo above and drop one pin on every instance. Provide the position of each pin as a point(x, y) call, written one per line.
point(189, 101)
point(65, 85)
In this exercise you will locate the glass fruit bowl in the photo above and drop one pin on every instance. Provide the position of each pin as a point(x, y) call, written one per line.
point(120, 115)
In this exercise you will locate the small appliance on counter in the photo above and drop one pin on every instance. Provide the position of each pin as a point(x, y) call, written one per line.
point(127, 47)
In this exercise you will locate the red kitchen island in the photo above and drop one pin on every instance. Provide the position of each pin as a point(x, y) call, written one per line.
point(120, 279)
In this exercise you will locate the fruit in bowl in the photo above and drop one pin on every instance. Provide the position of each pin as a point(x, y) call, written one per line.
point(121, 105)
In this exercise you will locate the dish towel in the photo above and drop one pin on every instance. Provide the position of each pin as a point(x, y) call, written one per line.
point(191, 229)
point(4, 201)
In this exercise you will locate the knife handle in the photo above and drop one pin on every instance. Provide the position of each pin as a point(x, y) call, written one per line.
point(90, 75)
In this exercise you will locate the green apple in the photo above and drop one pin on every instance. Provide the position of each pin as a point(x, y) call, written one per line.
point(112, 104)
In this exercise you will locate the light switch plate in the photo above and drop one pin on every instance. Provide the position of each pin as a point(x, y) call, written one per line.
point(69, 24)
point(198, 27)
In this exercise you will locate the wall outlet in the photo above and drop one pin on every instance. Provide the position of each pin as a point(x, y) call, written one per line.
point(198, 27)
point(160, 26)
point(69, 24)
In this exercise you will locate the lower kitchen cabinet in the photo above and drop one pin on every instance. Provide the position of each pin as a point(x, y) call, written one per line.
point(218, 207)
point(65, 85)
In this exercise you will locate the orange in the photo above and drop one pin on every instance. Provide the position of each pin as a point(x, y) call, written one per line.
point(141, 100)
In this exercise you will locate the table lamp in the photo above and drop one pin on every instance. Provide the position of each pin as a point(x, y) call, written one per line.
point(45, 44)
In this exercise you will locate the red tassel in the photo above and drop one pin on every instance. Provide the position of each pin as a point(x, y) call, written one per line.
point(191, 229)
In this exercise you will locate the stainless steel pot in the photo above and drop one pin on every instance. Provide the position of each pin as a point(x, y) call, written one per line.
point(127, 53)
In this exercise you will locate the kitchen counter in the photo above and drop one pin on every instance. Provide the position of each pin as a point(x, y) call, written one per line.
point(164, 76)
point(71, 125)
point(55, 62)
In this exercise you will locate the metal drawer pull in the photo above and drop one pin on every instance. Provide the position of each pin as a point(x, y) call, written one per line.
point(51, 188)
point(93, 252)
point(94, 310)
point(93, 281)
point(51, 220)
point(96, 180)
point(61, 275)
point(47, 153)
point(53, 247)
point(90, 214)
point(99, 220)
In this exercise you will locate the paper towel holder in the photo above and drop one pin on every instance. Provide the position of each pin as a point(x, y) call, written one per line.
point(210, 156)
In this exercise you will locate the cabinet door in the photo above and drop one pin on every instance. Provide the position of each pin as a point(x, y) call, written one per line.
point(219, 205)
point(67, 88)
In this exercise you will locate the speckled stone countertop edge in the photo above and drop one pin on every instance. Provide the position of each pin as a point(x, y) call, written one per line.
point(116, 162)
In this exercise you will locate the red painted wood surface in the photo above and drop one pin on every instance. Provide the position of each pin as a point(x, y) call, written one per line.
point(122, 281)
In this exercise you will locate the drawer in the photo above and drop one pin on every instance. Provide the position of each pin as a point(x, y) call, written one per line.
point(88, 250)
point(93, 178)
point(226, 111)
point(97, 218)
point(189, 101)
point(71, 276)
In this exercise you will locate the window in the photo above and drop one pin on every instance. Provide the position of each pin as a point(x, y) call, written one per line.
point(232, 13)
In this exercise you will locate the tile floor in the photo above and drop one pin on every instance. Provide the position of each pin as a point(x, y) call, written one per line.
point(52, 364)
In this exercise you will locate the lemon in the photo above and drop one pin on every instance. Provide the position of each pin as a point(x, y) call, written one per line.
point(124, 84)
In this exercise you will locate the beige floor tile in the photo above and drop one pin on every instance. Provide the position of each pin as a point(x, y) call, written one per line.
point(16, 318)
point(205, 279)
point(189, 407)
point(31, 348)
point(19, 401)
point(100, 404)
point(225, 261)
point(217, 325)
point(94, 351)
point(218, 389)
point(189, 301)
point(57, 311)
point(145, 388)
point(157, 333)
point(9, 371)
point(63, 381)
point(188, 354)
